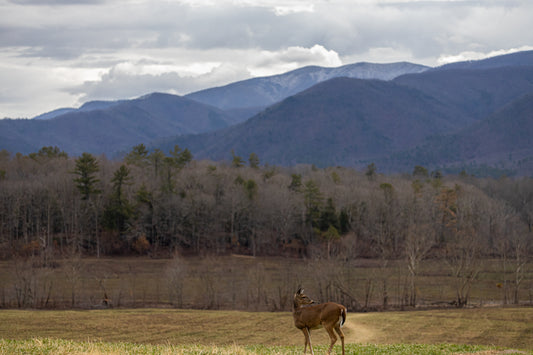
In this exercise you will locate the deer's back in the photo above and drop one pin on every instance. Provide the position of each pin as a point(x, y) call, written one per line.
point(314, 316)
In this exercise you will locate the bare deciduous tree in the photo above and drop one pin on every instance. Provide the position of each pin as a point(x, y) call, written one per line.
point(176, 274)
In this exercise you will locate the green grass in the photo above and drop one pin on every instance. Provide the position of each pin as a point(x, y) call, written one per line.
point(57, 346)
point(173, 331)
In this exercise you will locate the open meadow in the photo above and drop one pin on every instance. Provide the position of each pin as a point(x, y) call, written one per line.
point(173, 331)
point(241, 305)
point(251, 284)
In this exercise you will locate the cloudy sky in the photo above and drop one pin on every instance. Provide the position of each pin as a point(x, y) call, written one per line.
point(62, 53)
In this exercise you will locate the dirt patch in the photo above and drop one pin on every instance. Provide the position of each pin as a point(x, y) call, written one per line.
point(358, 333)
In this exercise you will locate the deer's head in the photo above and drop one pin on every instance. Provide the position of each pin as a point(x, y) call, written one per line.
point(300, 299)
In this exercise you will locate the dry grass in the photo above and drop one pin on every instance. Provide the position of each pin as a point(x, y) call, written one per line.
point(57, 347)
point(238, 282)
point(502, 327)
point(506, 327)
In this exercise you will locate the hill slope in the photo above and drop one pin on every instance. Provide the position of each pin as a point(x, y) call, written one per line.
point(524, 58)
point(340, 121)
point(88, 106)
point(114, 128)
point(353, 122)
point(262, 92)
point(504, 140)
point(473, 93)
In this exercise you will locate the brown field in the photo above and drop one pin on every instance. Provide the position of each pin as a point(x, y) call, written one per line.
point(241, 283)
point(502, 327)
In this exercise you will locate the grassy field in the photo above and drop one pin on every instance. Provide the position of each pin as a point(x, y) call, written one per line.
point(236, 282)
point(172, 331)
point(53, 346)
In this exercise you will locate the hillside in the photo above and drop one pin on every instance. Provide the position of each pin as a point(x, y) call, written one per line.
point(86, 107)
point(116, 127)
point(337, 122)
point(503, 140)
point(258, 93)
point(353, 122)
point(261, 92)
point(473, 93)
point(524, 58)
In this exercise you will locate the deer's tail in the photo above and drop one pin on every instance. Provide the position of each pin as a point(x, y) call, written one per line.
point(343, 316)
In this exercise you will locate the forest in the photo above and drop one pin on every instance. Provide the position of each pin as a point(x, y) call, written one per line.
point(160, 205)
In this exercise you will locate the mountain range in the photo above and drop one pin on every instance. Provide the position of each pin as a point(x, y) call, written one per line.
point(458, 116)
point(111, 126)
point(503, 141)
point(245, 98)
point(108, 127)
point(337, 122)
point(353, 122)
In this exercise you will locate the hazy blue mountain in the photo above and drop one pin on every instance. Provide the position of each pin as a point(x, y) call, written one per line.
point(99, 105)
point(473, 93)
point(88, 106)
point(503, 140)
point(524, 58)
point(469, 113)
point(337, 122)
point(259, 93)
point(119, 126)
point(353, 122)
point(54, 113)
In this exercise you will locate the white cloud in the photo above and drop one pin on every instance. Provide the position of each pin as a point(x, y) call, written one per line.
point(387, 55)
point(135, 77)
point(132, 79)
point(292, 58)
point(280, 8)
point(154, 68)
point(27, 91)
point(283, 10)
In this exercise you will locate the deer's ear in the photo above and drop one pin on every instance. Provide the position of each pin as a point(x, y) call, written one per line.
point(300, 291)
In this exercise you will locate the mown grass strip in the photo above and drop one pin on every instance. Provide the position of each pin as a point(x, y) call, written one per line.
point(46, 346)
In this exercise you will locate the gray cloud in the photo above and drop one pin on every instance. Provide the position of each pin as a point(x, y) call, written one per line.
point(81, 50)
point(56, 2)
point(118, 83)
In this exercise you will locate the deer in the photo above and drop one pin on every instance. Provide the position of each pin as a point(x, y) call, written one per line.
point(308, 315)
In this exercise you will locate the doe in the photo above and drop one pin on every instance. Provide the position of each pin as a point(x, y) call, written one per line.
point(308, 315)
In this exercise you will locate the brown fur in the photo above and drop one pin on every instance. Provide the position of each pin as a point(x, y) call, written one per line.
point(308, 315)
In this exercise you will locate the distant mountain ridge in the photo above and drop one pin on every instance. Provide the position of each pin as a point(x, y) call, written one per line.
point(118, 126)
point(54, 113)
point(265, 91)
point(504, 140)
point(337, 122)
point(524, 58)
point(245, 98)
point(473, 113)
point(378, 121)
point(473, 93)
point(88, 106)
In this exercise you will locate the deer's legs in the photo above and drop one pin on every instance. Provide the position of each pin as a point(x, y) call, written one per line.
point(307, 335)
point(333, 338)
point(341, 335)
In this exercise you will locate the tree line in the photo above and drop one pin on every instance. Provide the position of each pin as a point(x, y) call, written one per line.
point(162, 204)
